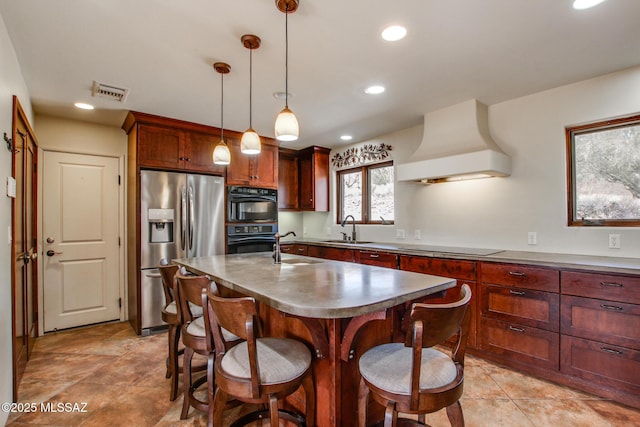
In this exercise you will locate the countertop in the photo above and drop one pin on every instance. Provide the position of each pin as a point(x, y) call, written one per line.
point(313, 287)
point(556, 260)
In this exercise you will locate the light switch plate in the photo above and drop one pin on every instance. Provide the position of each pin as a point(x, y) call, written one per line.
point(11, 187)
point(399, 233)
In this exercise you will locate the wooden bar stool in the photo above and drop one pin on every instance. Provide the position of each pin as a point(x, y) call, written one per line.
point(257, 369)
point(413, 377)
point(170, 317)
point(194, 338)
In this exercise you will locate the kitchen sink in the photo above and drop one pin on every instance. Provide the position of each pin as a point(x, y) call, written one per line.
point(350, 242)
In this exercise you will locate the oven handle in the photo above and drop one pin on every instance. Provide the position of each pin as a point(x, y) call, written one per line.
point(235, 198)
point(232, 240)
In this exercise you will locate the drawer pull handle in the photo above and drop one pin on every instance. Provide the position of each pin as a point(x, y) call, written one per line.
point(611, 307)
point(516, 273)
point(519, 293)
point(374, 256)
point(611, 285)
point(610, 350)
point(300, 249)
point(513, 328)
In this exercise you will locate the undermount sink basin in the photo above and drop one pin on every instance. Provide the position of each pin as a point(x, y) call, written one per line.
point(350, 242)
point(300, 262)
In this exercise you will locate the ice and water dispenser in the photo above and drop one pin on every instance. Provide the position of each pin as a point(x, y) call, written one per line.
point(160, 223)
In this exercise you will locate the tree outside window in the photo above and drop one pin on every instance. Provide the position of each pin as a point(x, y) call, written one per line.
point(367, 193)
point(604, 173)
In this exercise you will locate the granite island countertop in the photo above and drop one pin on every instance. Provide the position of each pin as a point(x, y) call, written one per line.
point(557, 260)
point(313, 287)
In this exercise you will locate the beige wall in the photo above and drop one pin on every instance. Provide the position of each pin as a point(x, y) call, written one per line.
point(499, 212)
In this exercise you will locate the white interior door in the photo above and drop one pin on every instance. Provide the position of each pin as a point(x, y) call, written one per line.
point(81, 250)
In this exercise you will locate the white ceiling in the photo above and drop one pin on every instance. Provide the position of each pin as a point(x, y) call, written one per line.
point(455, 50)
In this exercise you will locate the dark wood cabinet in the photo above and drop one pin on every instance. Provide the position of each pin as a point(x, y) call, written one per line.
point(308, 188)
point(463, 271)
point(260, 170)
point(163, 144)
point(381, 259)
point(294, 248)
point(288, 187)
point(326, 252)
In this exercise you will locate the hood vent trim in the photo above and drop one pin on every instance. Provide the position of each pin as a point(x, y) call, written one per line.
point(456, 145)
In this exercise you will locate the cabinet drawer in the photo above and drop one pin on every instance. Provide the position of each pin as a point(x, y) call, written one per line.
point(601, 320)
point(381, 259)
point(604, 286)
point(336, 254)
point(523, 306)
point(612, 366)
point(520, 344)
point(542, 279)
point(461, 270)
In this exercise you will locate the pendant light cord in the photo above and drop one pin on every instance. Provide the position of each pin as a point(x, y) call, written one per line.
point(222, 107)
point(250, 87)
point(286, 56)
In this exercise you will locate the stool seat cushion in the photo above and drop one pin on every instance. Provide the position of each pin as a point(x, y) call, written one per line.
point(279, 360)
point(388, 366)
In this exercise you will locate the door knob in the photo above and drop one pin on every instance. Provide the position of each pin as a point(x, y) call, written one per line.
point(51, 252)
point(50, 240)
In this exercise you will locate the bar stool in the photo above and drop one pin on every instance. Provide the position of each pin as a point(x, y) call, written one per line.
point(413, 377)
point(194, 339)
point(170, 317)
point(257, 369)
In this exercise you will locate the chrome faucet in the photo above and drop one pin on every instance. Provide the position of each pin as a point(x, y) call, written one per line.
point(277, 259)
point(353, 222)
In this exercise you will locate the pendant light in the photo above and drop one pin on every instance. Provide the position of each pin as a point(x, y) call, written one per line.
point(250, 142)
point(286, 127)
point(221, 154)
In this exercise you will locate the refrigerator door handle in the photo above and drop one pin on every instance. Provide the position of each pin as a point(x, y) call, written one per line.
point(191, 218)
point(183, 218)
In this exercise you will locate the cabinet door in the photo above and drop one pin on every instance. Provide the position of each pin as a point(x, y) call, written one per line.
point(160, 147)
point(265, 167)
point(198, 154)
point(287, 181)
point(314, 179)
point(238, 172)
point(307, 196)
point(523, 306)
point(520, 343)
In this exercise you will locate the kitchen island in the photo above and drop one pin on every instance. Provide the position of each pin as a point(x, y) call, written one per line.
point(339, 309)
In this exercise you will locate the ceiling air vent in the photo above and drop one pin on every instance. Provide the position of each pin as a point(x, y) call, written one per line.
point(108, 91)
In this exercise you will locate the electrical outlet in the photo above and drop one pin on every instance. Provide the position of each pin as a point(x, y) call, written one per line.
point(614, 241)
point(399, 233)
point(416, 235)
point(532, 238)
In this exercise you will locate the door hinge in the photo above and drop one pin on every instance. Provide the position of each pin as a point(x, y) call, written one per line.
point(119, 302)
point(119, 241)
point(119, 180)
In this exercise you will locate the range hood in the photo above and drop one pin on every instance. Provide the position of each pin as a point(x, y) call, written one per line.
point(456, 145)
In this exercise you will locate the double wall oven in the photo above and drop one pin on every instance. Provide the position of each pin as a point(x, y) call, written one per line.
point(252, 219)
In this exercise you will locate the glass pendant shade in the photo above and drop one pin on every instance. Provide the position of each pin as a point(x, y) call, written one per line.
point(250, 142)
point(221, 154)
point(286, 128)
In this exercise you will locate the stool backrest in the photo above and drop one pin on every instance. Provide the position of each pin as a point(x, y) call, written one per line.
point(168, 272)
point(190, 294)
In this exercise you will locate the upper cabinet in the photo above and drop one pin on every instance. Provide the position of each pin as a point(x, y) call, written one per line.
point(260, 170)
point(311, 184)
point(161, 143)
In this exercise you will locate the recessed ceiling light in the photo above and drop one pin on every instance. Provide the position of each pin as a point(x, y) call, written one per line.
point(374, 90)
point(585, 4)
point(83, 106)
point(394, 33)
point(346, 137)
point(282, 95)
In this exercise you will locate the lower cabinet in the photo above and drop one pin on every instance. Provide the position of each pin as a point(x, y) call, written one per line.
point(294, 248)
point(326, 252)
point(381, 259)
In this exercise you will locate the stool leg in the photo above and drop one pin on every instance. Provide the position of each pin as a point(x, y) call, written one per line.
point(273, 410)
point(454, 413)
point(174, 337)
point(219, 403)
point(186, 381)
point(211, 387)
point(363, 401)
point(310, 397)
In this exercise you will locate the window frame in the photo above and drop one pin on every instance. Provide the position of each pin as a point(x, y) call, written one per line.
point(366, 196)
point(570, 133)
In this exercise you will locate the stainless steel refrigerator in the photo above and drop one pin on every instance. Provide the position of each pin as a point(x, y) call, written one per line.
point(182, 215)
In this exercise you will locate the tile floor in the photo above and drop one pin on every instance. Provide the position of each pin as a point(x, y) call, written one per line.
point(121, 378)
